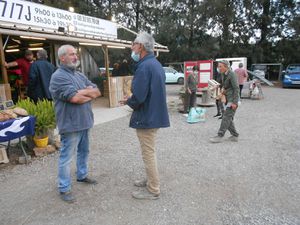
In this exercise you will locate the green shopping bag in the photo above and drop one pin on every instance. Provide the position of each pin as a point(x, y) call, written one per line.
point(196, 115)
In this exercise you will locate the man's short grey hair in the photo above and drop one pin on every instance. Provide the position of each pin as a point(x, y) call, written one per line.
point(42, 54)
point(225, 62)
point(146, 40)
point(63, 50)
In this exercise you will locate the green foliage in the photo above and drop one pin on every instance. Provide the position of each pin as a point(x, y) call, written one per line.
point(43, 110)
point(28, 105)
point(261, 30)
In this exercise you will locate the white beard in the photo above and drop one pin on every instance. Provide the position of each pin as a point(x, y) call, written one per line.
point(74, 65)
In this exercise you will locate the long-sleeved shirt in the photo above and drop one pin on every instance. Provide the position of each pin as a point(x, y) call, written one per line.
point(39, 79)
point(70, 117)
point(192, 82)
point(231, 87)
point(242, 75)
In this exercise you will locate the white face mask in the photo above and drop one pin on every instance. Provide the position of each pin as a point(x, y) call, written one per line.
point(218, 70)
point(135, 56)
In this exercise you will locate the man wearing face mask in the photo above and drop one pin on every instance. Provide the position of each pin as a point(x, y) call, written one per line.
point(191, 86)
point(148, 101)
point(72, 94)
point(219, 78)
point(231, 92)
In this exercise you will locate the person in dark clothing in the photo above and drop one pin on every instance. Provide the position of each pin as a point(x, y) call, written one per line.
point(219, 78)
point(191, 87)
point(39, 77)
point(231, 92)
point(124, 68)
point(116, 71)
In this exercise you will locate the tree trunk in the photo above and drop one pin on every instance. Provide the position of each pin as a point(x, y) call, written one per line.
point(265, 22)
point(137, 16)
point(192, 5)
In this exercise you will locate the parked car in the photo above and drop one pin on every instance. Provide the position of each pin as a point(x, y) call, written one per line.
point(291, 77)
point(172, 76)
point(103, 71)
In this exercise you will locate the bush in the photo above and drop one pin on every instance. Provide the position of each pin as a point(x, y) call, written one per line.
point(44, 113)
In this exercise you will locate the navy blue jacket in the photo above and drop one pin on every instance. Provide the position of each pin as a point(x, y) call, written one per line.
point(39, 80)
point(148, 98)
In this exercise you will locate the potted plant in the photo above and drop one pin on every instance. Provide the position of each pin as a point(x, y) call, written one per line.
point(43, 111)
point(45, 122)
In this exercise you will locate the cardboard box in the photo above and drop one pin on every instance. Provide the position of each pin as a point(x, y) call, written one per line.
point(119, 87)
point(3, 155)
point(5, 92)
point(2, 93)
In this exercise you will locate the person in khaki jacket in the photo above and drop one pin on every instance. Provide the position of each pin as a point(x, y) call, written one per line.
point(231, 92)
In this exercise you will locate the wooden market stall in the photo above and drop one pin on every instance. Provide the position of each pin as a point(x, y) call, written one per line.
point(55, 27)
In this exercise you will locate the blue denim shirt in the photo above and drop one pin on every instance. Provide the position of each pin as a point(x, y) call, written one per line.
point(70, 117)
point(148, 98)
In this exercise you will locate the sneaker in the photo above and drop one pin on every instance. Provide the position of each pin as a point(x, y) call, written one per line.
point(216, 139)
point(144, 195)
point(220, 117)
point(87, 181)
point(67, 197)
point(140, 183)
point(233, 138)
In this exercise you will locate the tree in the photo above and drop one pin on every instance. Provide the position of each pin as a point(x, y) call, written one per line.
point(261, 30)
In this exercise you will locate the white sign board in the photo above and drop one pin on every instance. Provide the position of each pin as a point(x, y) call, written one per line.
point(205, 66)
point(37, 15)
point(204, 77)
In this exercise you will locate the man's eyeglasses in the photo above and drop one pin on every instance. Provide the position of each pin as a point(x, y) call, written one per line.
point(135, 43)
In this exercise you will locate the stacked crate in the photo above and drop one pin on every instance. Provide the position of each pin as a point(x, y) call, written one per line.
point(119, 88)
point(5, 92)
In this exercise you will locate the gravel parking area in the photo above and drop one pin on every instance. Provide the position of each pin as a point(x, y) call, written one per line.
point(254, 181)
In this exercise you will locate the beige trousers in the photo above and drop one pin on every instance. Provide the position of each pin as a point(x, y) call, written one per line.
point(147, 142)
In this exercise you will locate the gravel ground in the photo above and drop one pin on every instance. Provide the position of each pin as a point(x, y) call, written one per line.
point(254, 181)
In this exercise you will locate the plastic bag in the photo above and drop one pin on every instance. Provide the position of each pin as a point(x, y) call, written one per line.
point(196, 115)
point(255, 92)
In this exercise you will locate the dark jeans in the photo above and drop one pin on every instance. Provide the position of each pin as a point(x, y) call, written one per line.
point(241, 88)
point(227, 123)
point(189, 101)
point(220, 107)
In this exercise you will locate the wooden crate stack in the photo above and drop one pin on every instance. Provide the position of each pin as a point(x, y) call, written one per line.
point(5, 92)
point(106, 89)
point(119, 87)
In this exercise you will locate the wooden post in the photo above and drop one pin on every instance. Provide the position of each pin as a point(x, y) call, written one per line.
point(106, 61)
point(2, 60)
